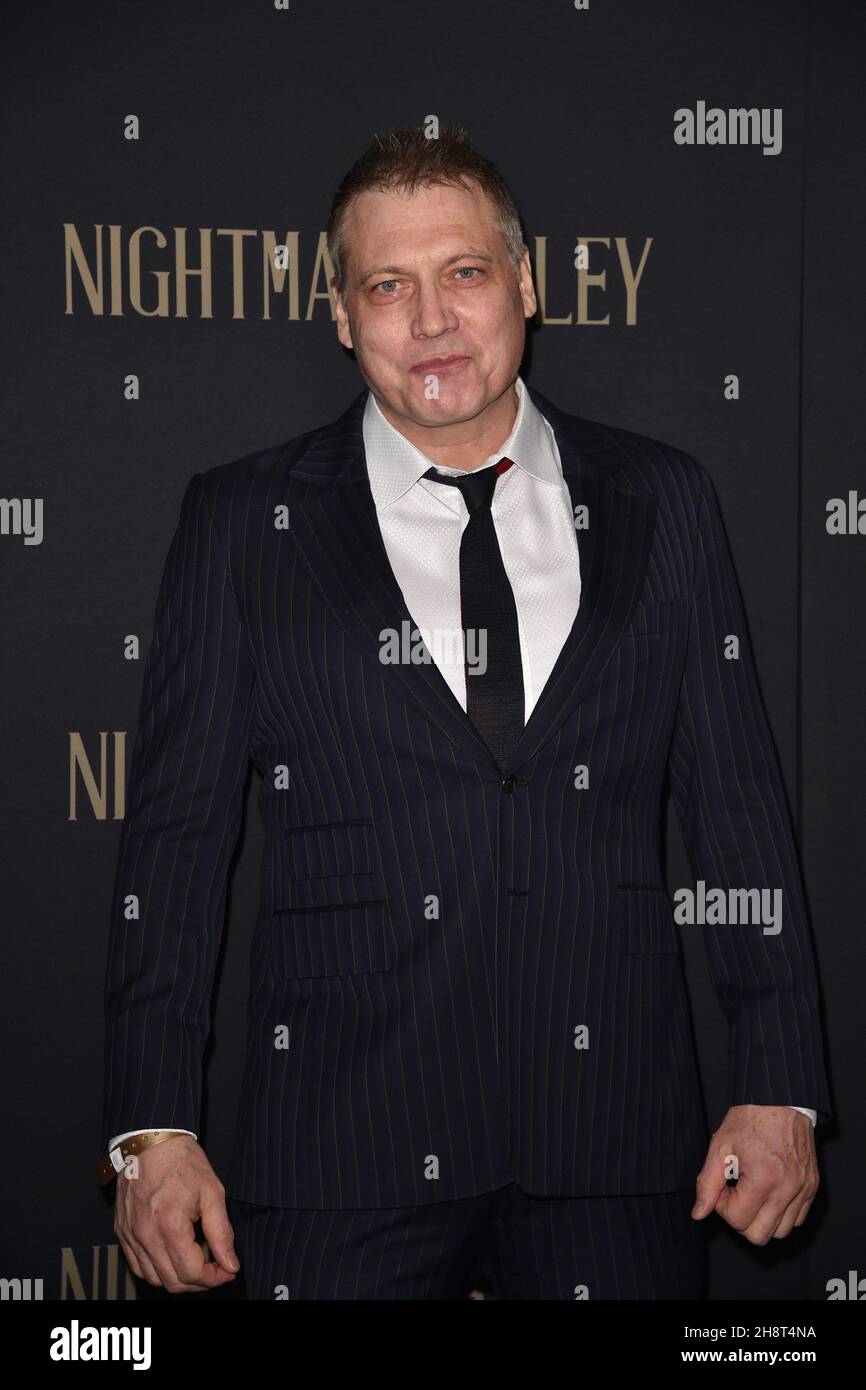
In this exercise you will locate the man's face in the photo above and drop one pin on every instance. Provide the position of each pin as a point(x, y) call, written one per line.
point(429, 278)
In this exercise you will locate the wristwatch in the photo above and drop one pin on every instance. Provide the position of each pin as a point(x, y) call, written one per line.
point(113, 1163)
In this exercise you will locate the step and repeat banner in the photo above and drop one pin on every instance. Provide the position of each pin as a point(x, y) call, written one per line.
point(689, 177)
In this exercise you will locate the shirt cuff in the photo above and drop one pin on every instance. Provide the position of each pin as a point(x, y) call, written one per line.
point(813, 1114)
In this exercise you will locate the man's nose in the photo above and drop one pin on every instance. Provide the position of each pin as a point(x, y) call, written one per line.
point(432, 312)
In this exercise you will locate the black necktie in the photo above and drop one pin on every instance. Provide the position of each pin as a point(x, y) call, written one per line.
point(494, 691)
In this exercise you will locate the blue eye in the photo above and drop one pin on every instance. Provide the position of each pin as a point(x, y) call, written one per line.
point(472, 271)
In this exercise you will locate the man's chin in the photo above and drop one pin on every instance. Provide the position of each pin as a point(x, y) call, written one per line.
point(451, 404)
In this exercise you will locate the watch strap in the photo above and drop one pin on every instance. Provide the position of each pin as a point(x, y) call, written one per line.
point(113, 1162)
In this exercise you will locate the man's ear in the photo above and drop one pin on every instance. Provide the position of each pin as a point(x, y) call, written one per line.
point(527, 287)
point(343, 332)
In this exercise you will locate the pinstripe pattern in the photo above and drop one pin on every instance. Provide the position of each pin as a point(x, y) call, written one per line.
point(503, 1244)
point(414, 1036)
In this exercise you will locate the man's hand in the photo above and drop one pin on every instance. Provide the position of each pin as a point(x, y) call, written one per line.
point(776, 1167)
point(154, 1215)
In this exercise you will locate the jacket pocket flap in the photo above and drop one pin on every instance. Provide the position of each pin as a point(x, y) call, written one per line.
point(351, 940)
point(324, 866)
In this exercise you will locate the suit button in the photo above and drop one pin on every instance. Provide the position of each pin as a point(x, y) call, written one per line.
point(509, 783)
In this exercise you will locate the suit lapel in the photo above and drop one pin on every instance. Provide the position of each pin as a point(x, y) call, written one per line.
point(613, 553)
point(337, 536)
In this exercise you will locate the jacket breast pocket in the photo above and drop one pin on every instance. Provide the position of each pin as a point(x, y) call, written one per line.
point(330, 909)
point(646, 925)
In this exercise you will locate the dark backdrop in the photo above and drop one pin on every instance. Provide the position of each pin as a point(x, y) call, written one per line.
point(248, 116)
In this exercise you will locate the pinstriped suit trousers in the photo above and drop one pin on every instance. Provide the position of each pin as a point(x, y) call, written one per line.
point(503, 1244)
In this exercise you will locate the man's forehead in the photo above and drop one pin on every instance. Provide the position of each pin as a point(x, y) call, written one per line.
point(436, 225)
point(375, 207)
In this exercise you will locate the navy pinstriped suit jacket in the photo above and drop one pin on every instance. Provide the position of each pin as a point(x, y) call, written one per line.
point(434, 929)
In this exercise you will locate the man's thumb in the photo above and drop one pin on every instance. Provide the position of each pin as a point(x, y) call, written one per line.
point(706, 1195)
point(219, 1235)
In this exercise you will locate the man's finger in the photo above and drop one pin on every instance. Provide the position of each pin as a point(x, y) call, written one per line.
point(146, 1266)
point(165, 1267)
point(187, 1257)
point(763, 1228)
point(218, 1232)
point(137, 1257)
point(804, 1211)
point(768, 1216)
point(789, 1215)
point(710, 1182)
point(177, 1277)
point(739, 1206)
point(130, 1256)
point(798, 1211)
point(811, 1194)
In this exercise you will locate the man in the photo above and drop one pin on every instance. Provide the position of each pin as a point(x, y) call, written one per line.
point(469, 1057)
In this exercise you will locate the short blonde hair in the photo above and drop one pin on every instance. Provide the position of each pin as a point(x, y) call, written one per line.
point(407, 159)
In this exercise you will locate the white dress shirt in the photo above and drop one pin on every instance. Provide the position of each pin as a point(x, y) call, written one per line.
point(422, 523)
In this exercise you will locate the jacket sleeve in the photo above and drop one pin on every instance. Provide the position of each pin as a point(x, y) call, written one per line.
point(183, 811)
point(730, 799)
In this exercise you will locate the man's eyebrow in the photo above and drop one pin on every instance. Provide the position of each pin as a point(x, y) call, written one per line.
point(403, 270)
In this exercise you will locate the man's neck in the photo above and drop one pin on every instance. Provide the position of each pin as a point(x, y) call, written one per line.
point(466, 444)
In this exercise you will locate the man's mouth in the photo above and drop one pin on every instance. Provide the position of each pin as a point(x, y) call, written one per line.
point(438, 364)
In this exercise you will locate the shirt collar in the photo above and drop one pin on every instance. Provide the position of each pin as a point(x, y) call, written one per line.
point(394, 463)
